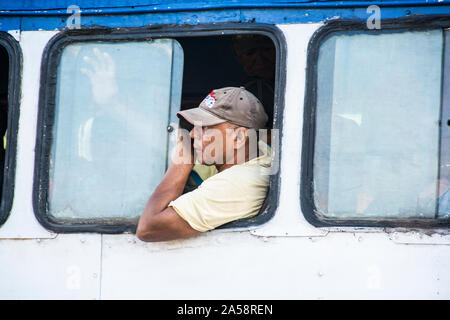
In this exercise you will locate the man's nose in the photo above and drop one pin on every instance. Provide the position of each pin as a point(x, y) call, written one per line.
point(196, 133)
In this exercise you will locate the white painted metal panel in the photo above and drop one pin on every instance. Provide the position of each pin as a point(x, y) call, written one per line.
point(288, 219)
point(237, 265)
point(66, 267)
point(15, 34)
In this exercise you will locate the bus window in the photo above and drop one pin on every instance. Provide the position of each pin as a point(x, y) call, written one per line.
point(110, 139)
point(106, 121)
point(377, 128)
point(246, 60)
point(10, 59)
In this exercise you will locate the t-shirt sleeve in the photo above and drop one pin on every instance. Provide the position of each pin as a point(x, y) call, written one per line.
point(217, 201)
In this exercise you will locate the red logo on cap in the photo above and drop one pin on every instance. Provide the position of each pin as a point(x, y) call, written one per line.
point(210, 99)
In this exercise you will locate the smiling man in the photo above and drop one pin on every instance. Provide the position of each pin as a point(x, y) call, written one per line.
point(224, 136)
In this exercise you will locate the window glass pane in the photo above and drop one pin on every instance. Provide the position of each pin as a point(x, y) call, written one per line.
point(110, 136)
point(444, 168)
point(377, 125)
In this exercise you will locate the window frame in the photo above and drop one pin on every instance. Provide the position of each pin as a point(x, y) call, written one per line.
point(46, 110)
point(12, 47)
point(309, 210)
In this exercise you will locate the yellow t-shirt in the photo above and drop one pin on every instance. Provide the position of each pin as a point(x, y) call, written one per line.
point(235, 193)
point(205, 171)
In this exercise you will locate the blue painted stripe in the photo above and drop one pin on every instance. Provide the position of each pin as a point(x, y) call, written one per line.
point(10, 23)
point(87, 8)
point(269, 16)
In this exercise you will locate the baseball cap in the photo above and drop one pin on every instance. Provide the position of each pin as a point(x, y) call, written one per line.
point(231, 104)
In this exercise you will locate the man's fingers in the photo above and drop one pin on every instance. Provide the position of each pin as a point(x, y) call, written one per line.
point(183, 153)
point(92, 62)
point(98, 54)
point(110, 65)
point(105, 61)
point(87, 72)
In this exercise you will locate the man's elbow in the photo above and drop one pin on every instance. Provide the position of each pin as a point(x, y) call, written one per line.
point(146, 232)
point(144, 235)
point(149, 236)
point(164, 226)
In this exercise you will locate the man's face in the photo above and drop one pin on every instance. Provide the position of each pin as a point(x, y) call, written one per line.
point(258, 61)
point(213, 144)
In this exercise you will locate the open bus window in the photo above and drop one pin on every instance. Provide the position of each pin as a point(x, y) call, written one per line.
point(239, 60)
point(381, 139)
point(9, 95)
point(106, 122)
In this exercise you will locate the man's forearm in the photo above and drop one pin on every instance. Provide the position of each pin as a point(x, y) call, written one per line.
point(158, 222)
point(170, 188)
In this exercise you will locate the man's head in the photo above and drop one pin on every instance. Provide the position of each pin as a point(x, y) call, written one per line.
point(218, 144)
point(257, 55)
point(223, 123)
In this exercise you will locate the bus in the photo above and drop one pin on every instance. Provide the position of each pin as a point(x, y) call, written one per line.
point(358, 96)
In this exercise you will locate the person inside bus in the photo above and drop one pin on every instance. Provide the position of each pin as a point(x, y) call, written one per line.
point(221, 136)
point(256, 53)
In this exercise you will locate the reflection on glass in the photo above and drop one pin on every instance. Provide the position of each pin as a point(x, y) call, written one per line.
point(377, 126)
point(110, 139)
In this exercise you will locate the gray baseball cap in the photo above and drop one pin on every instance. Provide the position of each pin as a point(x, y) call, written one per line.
point(235, 105)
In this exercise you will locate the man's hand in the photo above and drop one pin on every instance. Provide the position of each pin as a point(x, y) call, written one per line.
point(184, 150)
point(102, 75)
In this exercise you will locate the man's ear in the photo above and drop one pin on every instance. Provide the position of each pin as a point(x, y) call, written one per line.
point(240, 137)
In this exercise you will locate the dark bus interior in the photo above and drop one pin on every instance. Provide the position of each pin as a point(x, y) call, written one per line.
point(228, 61)
point(4, 73)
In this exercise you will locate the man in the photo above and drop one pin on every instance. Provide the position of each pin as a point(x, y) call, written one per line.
point(223, 126)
